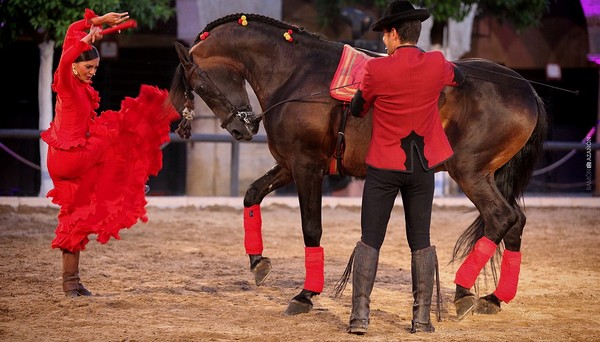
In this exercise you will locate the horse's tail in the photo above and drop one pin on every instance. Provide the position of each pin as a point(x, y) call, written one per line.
point(340, 285)
point(511, 179)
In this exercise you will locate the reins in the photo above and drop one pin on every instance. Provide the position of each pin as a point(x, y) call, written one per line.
point(303, 97)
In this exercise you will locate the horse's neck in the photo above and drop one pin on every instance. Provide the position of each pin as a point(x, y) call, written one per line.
point(290, 69)
point(302, 58)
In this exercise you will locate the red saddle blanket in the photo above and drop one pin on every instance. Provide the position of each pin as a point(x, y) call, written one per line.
point(348, 75)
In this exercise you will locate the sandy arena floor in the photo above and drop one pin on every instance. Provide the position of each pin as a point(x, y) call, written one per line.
point(183, 276)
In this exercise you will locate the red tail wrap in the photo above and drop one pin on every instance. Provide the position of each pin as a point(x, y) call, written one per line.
point(314, 262)
point(474, 263)
point(509, 276)
point(253, 230)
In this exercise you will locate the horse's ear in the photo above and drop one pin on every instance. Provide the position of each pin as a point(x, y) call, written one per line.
point(182, 52)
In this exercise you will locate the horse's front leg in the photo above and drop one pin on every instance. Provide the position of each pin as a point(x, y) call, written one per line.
point(275, 178)
point(309, 182)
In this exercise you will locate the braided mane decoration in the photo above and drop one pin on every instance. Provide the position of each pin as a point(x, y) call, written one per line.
point(184, 128)
point(254, 18)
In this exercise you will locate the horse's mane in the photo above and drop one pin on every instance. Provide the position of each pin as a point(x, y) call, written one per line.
point(255, 17)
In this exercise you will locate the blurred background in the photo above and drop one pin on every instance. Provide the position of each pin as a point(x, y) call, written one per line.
point(553, 43)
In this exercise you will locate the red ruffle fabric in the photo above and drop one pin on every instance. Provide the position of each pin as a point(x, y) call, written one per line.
point(109, 195)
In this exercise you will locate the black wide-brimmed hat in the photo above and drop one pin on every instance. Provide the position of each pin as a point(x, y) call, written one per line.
point(398, 11)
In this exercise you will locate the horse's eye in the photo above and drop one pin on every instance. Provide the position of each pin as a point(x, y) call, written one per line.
point(200, 89)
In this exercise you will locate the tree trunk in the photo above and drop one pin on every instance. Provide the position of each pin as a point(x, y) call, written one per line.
point(45, 108)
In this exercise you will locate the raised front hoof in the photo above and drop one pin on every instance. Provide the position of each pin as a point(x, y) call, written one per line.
point(421, 327)
point(358, 327)
point(465, 306)
point(488, 305)
point(261, 270)
point(301, 303)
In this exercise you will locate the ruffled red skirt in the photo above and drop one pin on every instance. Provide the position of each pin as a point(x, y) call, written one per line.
point(99, 186)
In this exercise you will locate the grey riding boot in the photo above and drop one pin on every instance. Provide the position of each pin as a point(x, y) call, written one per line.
point(423, 269)
point(366, 259)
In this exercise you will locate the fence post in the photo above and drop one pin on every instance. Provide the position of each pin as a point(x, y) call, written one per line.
point(235, 169)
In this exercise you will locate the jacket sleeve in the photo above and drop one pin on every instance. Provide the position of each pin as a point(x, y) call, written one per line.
point(78, 29)
point(362, 100)
point(455, 76)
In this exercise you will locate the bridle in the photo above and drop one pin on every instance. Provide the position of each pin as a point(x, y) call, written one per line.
point(244, 113)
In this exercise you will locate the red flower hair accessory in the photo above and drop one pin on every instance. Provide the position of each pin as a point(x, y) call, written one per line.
point(204, 35)
point(288, 36)
point(243, 21)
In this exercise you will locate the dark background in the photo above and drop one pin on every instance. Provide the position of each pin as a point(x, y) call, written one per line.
point(570, 116)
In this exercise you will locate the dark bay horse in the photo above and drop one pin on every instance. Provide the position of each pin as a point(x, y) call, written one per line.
point(495, 122)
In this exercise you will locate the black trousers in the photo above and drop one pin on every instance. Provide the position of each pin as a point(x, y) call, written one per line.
point(380, 191)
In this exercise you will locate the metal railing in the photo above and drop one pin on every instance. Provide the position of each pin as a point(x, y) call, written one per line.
point(235, 147)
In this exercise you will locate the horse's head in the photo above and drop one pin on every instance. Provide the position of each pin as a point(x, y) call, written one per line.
point(223, 89)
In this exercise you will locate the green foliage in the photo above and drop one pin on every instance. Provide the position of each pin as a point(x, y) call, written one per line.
point(448, 9)
point(49, 19)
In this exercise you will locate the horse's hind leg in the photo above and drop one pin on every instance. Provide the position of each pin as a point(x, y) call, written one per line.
point(496, 218)
point(509, 270)
point(273, 179)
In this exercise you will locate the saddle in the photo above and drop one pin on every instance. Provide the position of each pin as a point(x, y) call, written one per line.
point(344, 85)
point(349, 73)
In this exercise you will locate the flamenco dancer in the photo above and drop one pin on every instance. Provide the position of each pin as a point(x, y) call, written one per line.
point(99, 164)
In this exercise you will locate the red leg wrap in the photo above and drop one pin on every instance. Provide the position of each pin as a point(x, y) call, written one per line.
point(253, 230)
point(474, 263)
point(314, 262)
point(509, 276)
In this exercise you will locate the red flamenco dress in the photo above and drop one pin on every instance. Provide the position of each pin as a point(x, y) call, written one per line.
point(100, 164)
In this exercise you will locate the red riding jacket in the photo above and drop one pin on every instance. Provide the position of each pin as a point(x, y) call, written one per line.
point(403, 89)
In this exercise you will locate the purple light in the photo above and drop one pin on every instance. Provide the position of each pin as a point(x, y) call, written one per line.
point(591, 8)
point(594, 58)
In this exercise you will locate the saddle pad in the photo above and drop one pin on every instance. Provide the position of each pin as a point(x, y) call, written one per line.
point(348, 75)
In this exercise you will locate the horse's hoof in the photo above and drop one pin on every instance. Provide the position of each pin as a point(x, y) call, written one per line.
point(464, 306)
point(297, 307)
point(261, 270)
point(488, 305)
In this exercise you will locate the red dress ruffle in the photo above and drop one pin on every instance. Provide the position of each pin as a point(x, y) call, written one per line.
point(108, 195)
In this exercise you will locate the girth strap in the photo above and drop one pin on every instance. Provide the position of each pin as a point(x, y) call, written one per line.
point(340, 144)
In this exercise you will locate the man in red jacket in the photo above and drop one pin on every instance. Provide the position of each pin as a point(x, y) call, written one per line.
point(408, 142)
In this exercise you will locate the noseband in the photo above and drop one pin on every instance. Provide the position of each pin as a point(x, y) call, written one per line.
point(244, 114)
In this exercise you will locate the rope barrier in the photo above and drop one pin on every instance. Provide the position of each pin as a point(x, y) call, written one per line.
point(19, 158)
point(553, 166)
point(562, 185)
point(538, 172)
